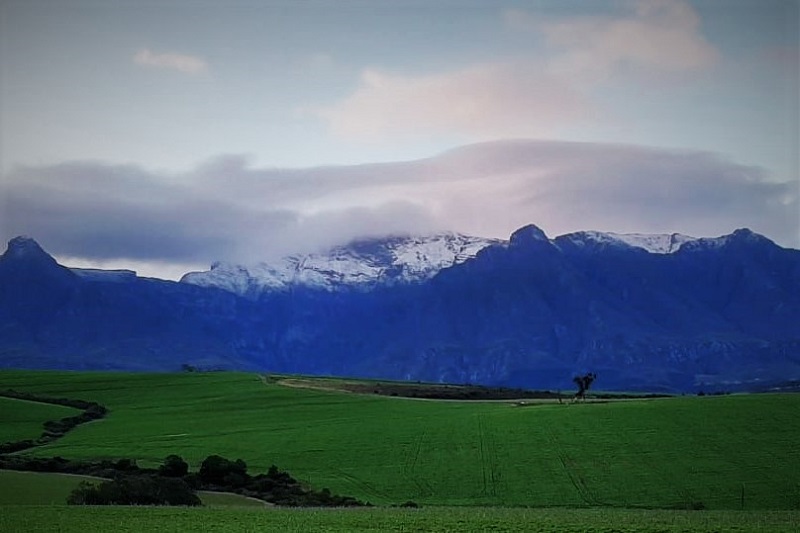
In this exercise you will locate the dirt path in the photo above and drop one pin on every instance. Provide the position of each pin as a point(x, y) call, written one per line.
point(320, 385)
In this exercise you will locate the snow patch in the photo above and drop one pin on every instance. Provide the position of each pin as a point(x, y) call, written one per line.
point(360, 264)
point(652, 243)
point(655, 244)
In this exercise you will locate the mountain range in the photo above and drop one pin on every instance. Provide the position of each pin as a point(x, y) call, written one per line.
point(645, 312)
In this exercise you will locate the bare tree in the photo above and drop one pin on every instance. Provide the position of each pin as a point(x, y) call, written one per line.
point(584, 383)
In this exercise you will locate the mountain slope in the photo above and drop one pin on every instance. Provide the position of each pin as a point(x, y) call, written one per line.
point(530, 313)
point(53, 317)
point(644, 312)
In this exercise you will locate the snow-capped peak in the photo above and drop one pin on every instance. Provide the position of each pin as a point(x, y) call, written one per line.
point(742, 235)
point(652, 243)
point(361, 263)
point(656, 243)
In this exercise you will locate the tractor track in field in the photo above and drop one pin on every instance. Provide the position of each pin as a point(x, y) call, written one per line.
point(487, 448)
point(417, 450)
point(363, 485)
point(410, 466)
point(495, 473)
point(482, 453)
point(572, 470)
point(424, 486)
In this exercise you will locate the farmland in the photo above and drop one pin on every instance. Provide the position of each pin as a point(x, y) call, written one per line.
point(136, 519)
point(723, 452)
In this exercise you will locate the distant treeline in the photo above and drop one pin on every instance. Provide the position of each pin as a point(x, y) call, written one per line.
point(436, 391)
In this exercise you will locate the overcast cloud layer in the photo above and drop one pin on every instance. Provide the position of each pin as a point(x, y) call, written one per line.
point(226, 209)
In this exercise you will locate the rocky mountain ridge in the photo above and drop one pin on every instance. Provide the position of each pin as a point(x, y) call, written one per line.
point(363, 264)
point(667, 313)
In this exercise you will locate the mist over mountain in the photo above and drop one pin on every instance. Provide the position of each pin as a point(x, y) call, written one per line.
point(646, 312)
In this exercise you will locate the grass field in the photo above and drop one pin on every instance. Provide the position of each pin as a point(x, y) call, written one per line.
point(21, 419)
point(665, 453)
point(32, 488)
point(153, 519)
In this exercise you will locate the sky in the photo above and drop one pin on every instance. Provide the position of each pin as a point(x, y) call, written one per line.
point(163, 136)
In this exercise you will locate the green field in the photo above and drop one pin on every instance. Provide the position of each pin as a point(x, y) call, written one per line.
point(665, 453)
point(33, 488)
point(378, 520)
point(21, 419)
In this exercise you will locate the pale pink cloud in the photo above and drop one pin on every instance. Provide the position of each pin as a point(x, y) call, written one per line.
point(535, 95)
point(481, 101)
point(184, 63)
point(654, 35)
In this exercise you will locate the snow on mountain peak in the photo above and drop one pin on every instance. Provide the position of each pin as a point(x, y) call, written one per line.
point(666, 243)
point(361, 263)
point(653, 243)
point(364, 263)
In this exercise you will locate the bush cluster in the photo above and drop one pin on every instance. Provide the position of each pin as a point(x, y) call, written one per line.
point(216, 473)
point(276, 486)
point(135, 489)
point(104, 469)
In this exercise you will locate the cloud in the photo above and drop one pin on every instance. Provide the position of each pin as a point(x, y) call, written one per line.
point(483, 101)
point(655, 35)
point(170, 60)
point(226, 209)
point(538, 93)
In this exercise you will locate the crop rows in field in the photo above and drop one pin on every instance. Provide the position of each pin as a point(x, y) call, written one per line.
point(660, 453)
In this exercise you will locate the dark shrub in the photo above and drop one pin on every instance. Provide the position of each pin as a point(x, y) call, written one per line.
point(214, 469)
point(174, 466)
point(193, 480)
point(11, 447)
point(125, 465)
point(135, 490)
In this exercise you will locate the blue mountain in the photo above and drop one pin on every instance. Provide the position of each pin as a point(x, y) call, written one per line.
point(668, 313)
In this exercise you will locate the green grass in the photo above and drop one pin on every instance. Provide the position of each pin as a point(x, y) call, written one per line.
point(227, 499)
point(666, 453)
point(21, 419)
point(34, 488)
point(154, 519)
